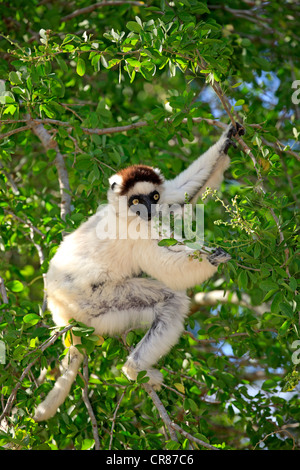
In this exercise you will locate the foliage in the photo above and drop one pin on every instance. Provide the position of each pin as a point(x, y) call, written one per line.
point(174, 73)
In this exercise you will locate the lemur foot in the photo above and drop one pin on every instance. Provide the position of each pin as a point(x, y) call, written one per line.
point(231, 132)
point(155, 377)
point(218, 256)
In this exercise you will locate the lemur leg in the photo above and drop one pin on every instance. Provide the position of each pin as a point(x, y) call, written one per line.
point(162, 335)
point(144, 302)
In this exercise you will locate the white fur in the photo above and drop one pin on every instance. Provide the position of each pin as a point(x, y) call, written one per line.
point(206, 171)
point(95, 281)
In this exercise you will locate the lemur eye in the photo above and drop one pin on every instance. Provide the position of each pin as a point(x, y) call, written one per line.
point(135, 201)
point(156, 197)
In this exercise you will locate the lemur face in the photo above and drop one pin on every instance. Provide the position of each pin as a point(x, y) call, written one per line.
point(141, 186)
point(143, 204)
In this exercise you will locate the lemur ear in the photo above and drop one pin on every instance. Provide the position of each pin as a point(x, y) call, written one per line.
point(115, 182)
point(158, 172)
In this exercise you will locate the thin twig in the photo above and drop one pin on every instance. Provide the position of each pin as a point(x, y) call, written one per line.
point(162, 411)
point(49, 143)
point(219, 296)
point(278, 431)
point(14, 131)
point(192, 438)
point(112, 130)
point(136, 125)
point(3, 291)
point(278, 148)
point(14, 187)
point(42, 260)
point(87, 403)
point(114, 419)
point(25, 222)
point(95, 6)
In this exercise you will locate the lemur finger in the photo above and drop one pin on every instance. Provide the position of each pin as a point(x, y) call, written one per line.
point(240, 130)
point(232, 131)
point(228, 143)
point(219, 256)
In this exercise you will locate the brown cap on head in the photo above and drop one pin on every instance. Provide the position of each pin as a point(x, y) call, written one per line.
point(136, 173)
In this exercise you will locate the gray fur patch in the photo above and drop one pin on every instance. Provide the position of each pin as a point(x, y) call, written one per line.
point(97, 286)
point(129, 303)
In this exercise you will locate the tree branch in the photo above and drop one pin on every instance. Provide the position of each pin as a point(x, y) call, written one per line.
point(161, 409)
point(171, 426)
point(14, 131)
point(114, 130)
point(217, 296)
point(95, 6)
point(24, 222)
point(14, 187)
point(192, 438)
point(88, 405)
point(49, 143)
point(114, 419)
point(247, 150)
point(3, 291)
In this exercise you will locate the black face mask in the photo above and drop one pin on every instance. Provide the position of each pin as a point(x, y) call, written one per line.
point(143, 205)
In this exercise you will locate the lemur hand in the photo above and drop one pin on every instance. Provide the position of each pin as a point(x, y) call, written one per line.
point(231, 132)
point(218, 256)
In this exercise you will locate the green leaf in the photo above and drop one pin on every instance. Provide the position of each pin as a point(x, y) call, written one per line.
point(11, 109)
point(147, 70)
point(87, 444)
point(178, 119)
point(80, 68)
point(31, 318)
point(15, 78)
point(167, 242)
point(199, 7)
point(172, 445)
point(82, 330)
point(268, 285)
point(284, 328)
point(236, 85)
point(104, 61)
point(286, 309)
point(15, 286)
point(293, 283)
point(133, 26)
point(172, 68)
point(130, 338)
point(62, 64)
point(48, 111)
point(275, 303)
point(243, 280)
point(142, 377)
point(257, 250)
point(269, 383)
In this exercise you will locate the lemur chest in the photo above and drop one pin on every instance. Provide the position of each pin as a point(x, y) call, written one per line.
point(122, 261)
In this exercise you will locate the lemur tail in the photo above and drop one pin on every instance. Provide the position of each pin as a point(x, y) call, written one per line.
point(62, 387)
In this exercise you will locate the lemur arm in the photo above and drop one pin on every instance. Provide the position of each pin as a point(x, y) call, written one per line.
point(176, 266)
point(206, 171)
